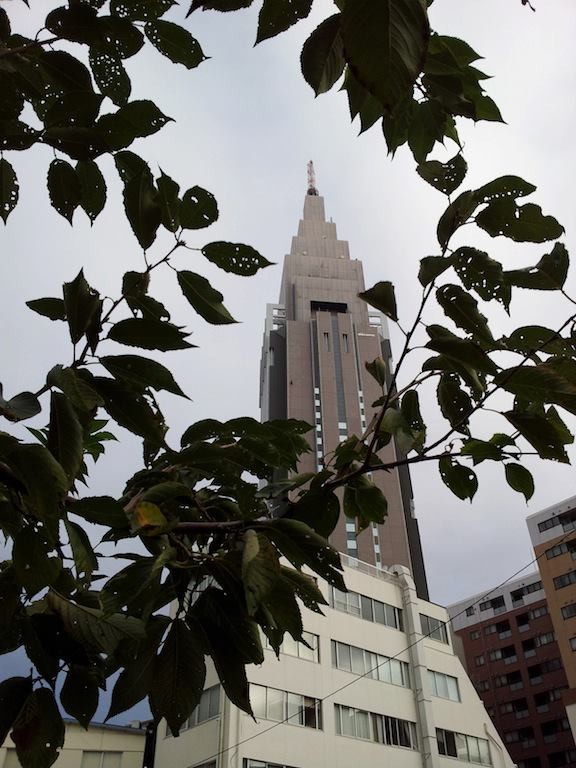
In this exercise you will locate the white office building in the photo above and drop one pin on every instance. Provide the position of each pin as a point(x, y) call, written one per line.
point(380, 686)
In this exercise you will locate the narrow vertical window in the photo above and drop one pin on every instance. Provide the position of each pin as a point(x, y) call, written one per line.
point(327, 341)
point(345, 342)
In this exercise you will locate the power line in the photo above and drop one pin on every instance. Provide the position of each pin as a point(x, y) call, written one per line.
point(381, 664)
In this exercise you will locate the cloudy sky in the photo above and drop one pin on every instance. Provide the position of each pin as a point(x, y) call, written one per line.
point(245, 126)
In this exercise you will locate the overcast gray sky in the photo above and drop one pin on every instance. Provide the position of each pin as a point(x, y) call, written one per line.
point(246, 124)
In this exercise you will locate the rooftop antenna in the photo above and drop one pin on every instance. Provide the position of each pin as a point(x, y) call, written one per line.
point(311, 179)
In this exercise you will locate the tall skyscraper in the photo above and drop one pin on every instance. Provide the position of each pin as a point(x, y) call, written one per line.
point(316, 341)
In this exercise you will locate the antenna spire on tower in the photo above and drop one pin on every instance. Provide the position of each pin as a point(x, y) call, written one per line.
point(311, 179)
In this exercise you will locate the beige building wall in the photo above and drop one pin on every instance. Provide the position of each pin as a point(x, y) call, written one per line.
point(101, 746)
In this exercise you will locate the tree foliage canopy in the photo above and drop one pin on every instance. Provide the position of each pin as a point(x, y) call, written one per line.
point(198, 514)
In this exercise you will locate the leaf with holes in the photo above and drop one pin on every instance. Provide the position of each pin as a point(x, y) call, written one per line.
point(9, 189)
point(505, 187)
point(322, 58)
point(276, 17)
point(462, 309)
point(482, 274)
point(64, 188)
point(529, 339)
point(14, 134)
point(385, 44)
point(36, 563)
point(175, 42)
point(140, 10)
point(542, 434)
point(454, 403)
point(92, 188)
point(381, 296)
point(520, 479)
point(168, 201)
point(110, 76)
point(445, 177)
point(548, 275)
point(207, 301)
point(38, 732)
point(198, 209)
point(134, 120)
point(218, 5)
point(538, 384)
point(481, 450)
point(461, 480)
point(521, 223)
point(236, 258)
point(178, 678)
point(410, 409)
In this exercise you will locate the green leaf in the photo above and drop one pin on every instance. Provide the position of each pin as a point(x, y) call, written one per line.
point(43, 477)
point(128, 165)
point(305, 588)
point(410, 409)
point(463, 351)
point(74, 109)
point(530, 339)
point(519, 479)
point(385, 44)
point(236, 258)
point(78, 23)
point(135, 680)
point(174, 42)
point(140, 10)
point(481, 273)
point(480, 450)
point(462, 309)
point(65, 437)
point(110, 76)
point(64, 188)
point(4, 35)
point(78, 142)
point(427, 126)
point(148, 334)
point(319, 508)
point(35, 563)
point(538, 384)
point(84, 558)
point(136, 119)
point(13, 694)
point(553, 418)
point(142, 208)
point(461, 480)
point(504, 187)
point(396, 123)
point(454, 403)
point(381, 296)
point(39, 731)
point(206, 300)
point(119, 36)
point(79, 695)
point(102, 510)
point(141, 372)
point(260, 569)
point(218, 5)
point(168, 201)
point(542, 435)
point(92, 628)
point(445, 177)
point(49, 307)
point(179, 674)
point(460, 49)
point(128, 585)
point(198, 209)
point(80, 303)
point(521, 223)
point(322, 58)
point(20, 407)
point(455, 215)
point(9, 189)
point(130, 410)
point(432, 267)
point(276, 17)
point(92, 188)
point(361, 102)
point(80, 394)
point(548, 275)
point(365, 502)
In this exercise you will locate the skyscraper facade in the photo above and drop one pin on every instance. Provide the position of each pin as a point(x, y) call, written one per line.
point(316, 341)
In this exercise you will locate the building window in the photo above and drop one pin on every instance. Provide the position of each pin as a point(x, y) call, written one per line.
point(208, 708)
point(482, 685)
point(569, 611)
point(368, 664)
point(545, 525)
point(462, 746)
point(561, 759)
point(345, 342)
point(434, 628)
point(443, 686)
point(518, 594)
point(367, 608)
point(512, 679)
point(479, 661)
point(573, 643)
point(536, 613)
point(293, 647)
point(496, 604)
point(474, 635)
point(327, 342)
point(506, 654)
point(470, 611)
point(374, 727)
point(248, 763)
point(280, 706)
point(94, 759)
point(565, 580)
point(557, 550)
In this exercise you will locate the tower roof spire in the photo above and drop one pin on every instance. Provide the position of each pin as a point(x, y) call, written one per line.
point(311, 179)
